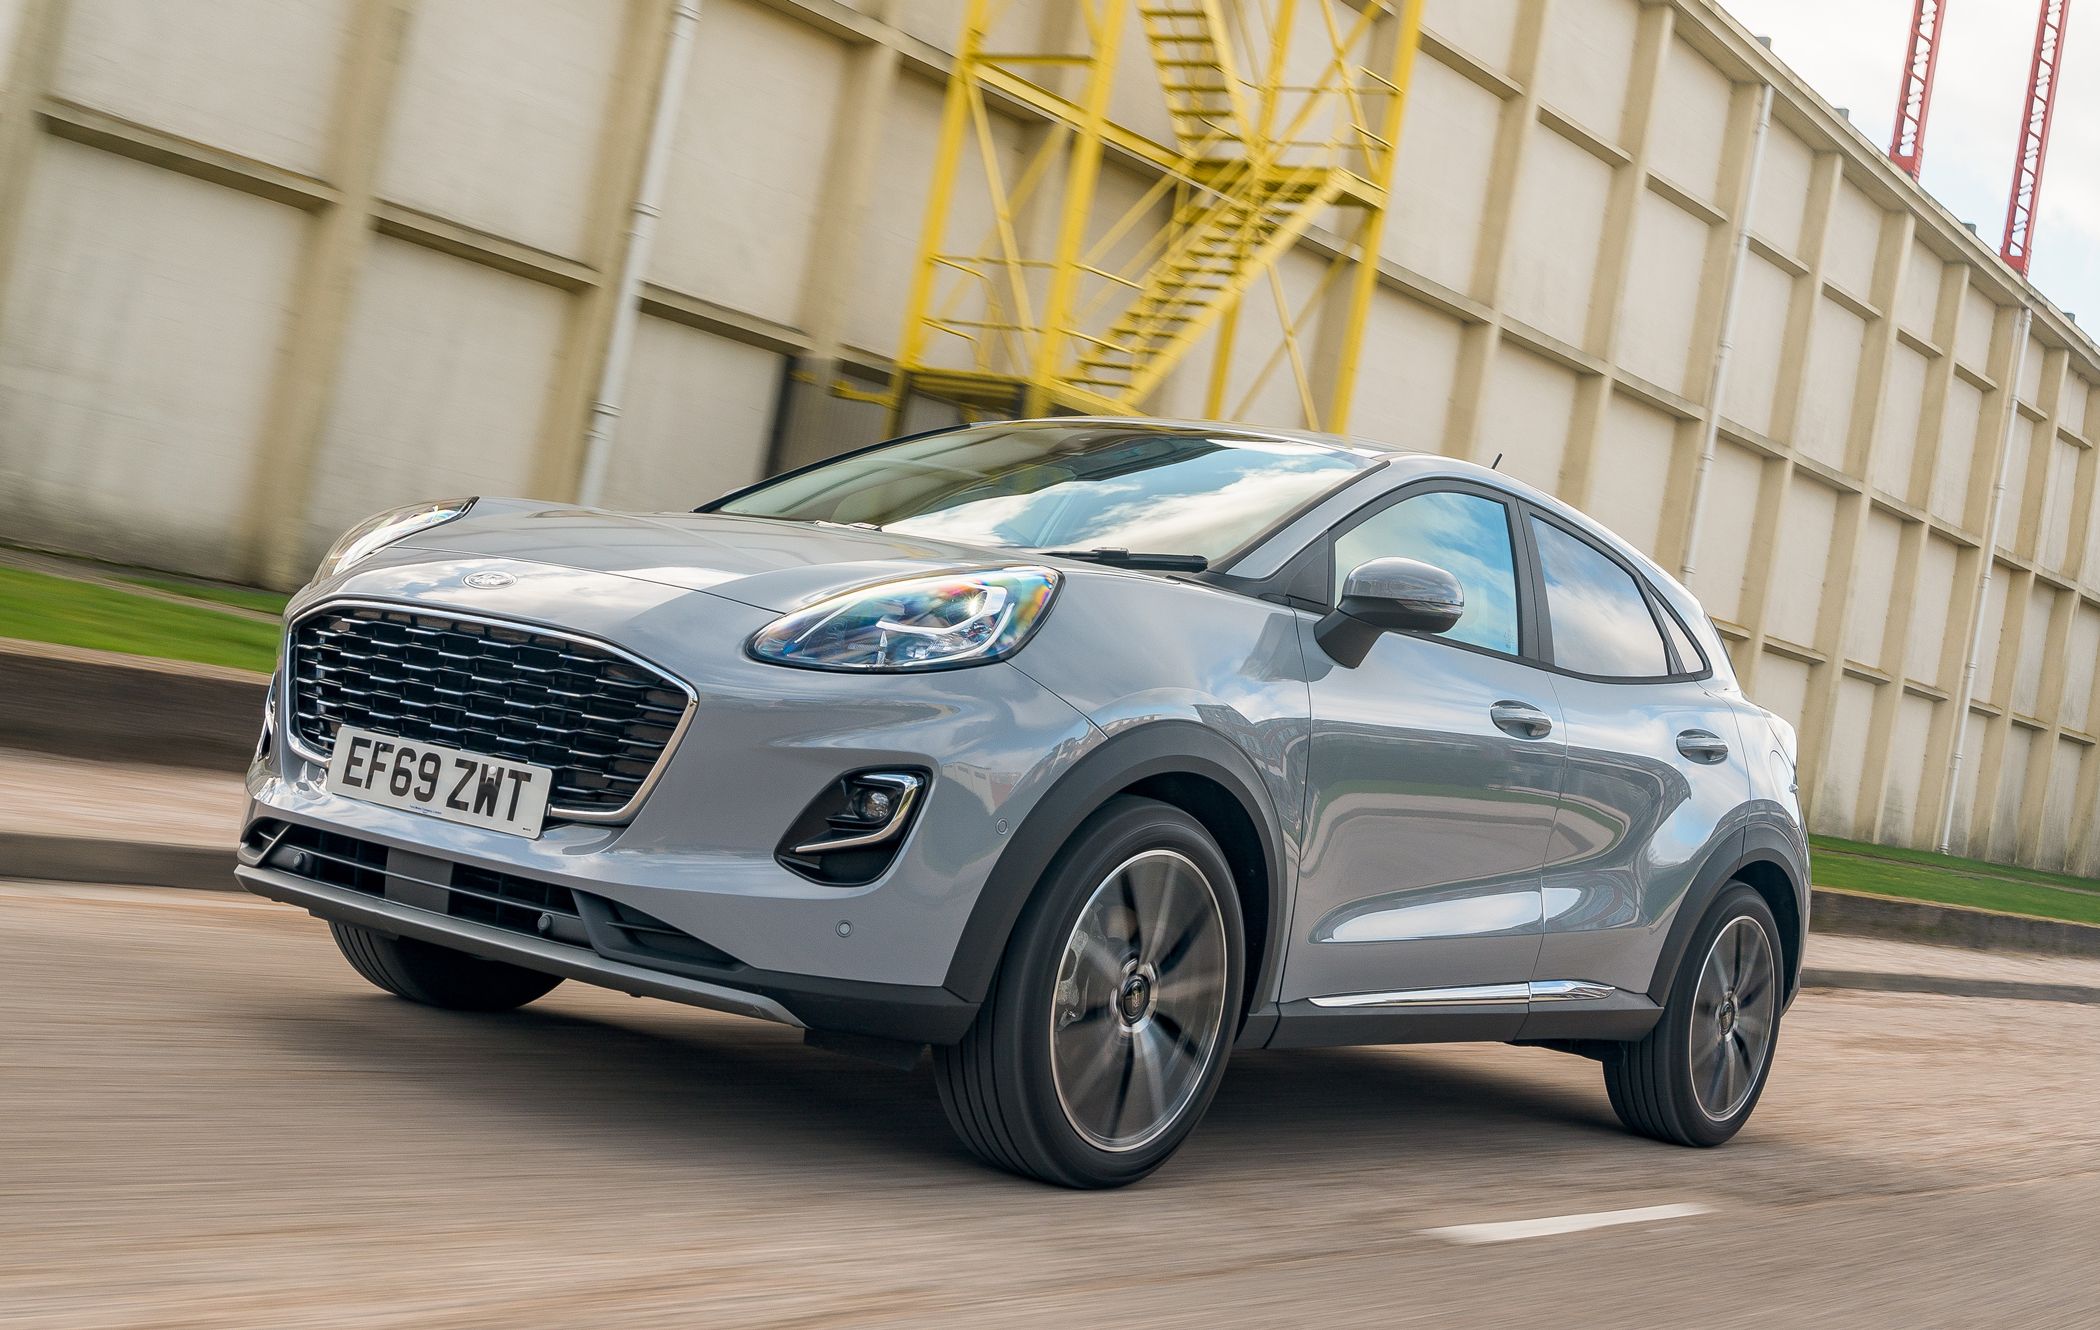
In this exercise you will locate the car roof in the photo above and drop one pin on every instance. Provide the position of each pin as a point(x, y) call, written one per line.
point(1404, 466)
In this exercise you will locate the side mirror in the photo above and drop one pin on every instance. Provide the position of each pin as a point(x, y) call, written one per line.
point(1389, 596)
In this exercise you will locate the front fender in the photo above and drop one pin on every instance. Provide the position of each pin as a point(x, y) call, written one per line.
point(1134, 755)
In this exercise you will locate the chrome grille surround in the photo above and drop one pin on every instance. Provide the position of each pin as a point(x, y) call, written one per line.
point(603, 719)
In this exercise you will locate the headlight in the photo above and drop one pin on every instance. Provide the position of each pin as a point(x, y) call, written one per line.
point(925, 623)
point(376, 533)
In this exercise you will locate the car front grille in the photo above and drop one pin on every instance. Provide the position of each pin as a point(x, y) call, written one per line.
point(599, 719)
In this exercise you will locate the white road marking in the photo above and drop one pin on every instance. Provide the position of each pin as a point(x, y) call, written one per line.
point(1511, 1231)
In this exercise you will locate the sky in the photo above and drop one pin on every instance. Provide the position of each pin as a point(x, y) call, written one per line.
point(1851, 52)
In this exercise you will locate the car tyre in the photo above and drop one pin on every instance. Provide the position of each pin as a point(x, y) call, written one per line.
point(1697, 1076)
point(438, 976)
point(1108, 1024)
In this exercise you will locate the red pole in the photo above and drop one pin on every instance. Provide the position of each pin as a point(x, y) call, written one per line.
point(2034, 134)
point(1914, 98)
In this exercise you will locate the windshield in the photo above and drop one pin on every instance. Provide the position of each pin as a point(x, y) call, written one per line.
point(1055, 487)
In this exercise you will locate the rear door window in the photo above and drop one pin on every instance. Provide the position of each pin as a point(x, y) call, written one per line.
point(1599, 616)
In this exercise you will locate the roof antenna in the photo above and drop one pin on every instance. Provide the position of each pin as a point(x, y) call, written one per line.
point(1496, 465)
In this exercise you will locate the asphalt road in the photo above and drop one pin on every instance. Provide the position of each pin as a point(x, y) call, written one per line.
point(207, 1120)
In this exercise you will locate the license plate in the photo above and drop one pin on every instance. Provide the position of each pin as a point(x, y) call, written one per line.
point(457, 786)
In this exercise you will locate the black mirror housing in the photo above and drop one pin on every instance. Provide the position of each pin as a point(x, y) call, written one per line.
point(1389, 596)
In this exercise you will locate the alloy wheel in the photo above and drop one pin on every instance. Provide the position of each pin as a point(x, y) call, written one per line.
point(1139, 1010)
point(1734, 1014)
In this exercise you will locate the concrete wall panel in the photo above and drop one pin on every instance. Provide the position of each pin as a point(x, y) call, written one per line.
point(698, 422)
point(1527, 414)
point(1435, 223)
point(1821, 428)
point(253, 76)
point(1896, 431)
point(482, 92)
point(1729, 533)
point(136, 347)
point(1558, 222)
point(442, 386)
point(1994, 600)
point(1951, 482)
point(1782, 687)
point(1873, 588)
point(1782, 189)
point(2034, 640)
point(1906, 766)
point(2019, 456)
point(1483, 29)
point(1933, 615)
point(1837, 797)
point(1753, 368)
point(1801, 558)
point(1406, 398)
point(2066, 759)
point(1592, 44)
point(1972, 339)
point(1999, 839)
point(2059, 493)
point(2080, 654)
point(2077, 396)
point(1688, 145)
point(10, 23)
point(1855, 236)
point(1636, 448)
point(748, 161)
point(1658, 312)
point(1918, 302)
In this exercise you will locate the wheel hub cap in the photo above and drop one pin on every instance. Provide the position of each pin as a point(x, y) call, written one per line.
point(1135, 1000)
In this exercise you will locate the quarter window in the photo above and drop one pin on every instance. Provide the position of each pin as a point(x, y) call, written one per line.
point(1463, 534)
point(1600, 618)
point(1690, 658)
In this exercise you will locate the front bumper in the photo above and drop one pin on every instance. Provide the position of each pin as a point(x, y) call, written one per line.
point(698, 854)
point(381, 915)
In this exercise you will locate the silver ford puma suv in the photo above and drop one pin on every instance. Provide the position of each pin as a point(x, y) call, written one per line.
point(1083, 751)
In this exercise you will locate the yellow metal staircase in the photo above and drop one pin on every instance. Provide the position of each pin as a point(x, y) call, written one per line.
point(1220, 246)
point(1125, 293)
point(1204, 96)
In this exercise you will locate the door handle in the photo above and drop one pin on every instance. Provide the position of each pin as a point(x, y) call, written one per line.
point(1700, 746)
point(1521, 719)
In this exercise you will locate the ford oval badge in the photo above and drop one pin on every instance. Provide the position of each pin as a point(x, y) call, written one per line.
point(490, 581)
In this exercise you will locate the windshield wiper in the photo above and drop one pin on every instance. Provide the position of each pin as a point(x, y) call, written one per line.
point(1119, 558)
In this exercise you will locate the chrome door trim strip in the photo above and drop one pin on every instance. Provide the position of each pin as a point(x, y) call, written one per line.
point(1477, 995)
point(1569, 990)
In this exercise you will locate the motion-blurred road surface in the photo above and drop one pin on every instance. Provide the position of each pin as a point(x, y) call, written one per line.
point(206, 1120)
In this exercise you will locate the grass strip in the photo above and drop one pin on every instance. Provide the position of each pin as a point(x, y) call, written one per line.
point(240, 597)
point(42, 608)
point(1920, 875)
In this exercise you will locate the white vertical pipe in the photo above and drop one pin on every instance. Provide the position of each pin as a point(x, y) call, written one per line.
point(1717, 380)
point(641, 236)
point(1993, 519)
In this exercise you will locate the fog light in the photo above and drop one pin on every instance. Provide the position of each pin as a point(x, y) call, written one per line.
point(850, 832)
